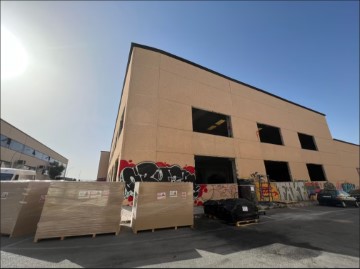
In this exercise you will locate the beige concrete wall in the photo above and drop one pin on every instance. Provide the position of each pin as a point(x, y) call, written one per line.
point(161, 93)
point(103, 165)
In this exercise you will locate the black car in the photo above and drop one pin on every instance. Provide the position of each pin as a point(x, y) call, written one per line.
point(355, 194)
point(336, 198)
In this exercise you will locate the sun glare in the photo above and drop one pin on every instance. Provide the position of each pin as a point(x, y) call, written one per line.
point(14, 58)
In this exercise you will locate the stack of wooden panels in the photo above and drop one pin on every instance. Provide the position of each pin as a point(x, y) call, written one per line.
point(162, 205)
point(21, 206)
point(81, 208)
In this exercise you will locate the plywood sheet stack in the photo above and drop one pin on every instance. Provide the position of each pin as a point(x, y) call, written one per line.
point(21, 206)
point(162, 205)
point(81, 208)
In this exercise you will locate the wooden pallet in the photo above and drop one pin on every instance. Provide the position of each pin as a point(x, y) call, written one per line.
point(157, 229)
point(244, 222)
point(80, 235)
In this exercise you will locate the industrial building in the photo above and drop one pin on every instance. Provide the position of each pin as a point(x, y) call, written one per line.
point(20, 150)
point(179, 121)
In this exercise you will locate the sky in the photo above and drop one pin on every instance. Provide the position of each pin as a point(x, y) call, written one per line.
point(68, 96)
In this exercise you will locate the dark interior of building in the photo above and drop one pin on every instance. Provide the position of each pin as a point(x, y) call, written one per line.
point(277, 171)
point(211, 123)
point(316, 172)
point(269, 134)
point(307, 141)
point(214, 170)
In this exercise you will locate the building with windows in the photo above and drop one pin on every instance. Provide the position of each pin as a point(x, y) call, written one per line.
point(19, 150)
point(179, 121)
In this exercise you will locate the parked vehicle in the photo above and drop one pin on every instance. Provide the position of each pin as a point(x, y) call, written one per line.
point(336, 198)
point(355, 194)
point(10, 174)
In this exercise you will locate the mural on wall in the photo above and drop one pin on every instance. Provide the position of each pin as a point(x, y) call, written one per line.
point(152, 172)
point(313, 187)
point(292, 191)
point(267, 192)
point(345, 186)
point(204, 192)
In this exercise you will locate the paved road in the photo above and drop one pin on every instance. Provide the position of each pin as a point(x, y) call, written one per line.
point(307, 237)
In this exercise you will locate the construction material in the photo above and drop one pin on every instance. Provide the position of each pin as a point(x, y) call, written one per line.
point(162, 205)
point(81, 208)
point(21, 206)
point(233, 211)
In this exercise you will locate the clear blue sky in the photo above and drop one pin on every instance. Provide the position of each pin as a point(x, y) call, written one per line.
point(306, 52)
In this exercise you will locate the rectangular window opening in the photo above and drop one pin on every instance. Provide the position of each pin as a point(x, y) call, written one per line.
point(211, 123)
point(307, 141)
point(316, 172)
point(269, 134)
point(214, 170)
point(277, 171)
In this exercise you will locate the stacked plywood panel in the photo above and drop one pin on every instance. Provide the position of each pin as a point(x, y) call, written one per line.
point(21, 206)
point(81, 208)
point(162, 205)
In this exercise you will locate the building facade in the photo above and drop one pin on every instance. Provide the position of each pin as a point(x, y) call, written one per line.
point(19, 150)
point(179, 121)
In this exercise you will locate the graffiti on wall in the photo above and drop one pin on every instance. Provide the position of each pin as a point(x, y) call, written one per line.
point(267, 192)
point(204, 192)
point(292, 191)
point(313, 187)
point(152, 172)
point(345, 186)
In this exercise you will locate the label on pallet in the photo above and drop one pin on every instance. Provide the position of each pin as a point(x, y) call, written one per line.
point(183, 194)
point(83, 194)
point(173, 194)
point(4, 195)
point(161, 195)
point(245, 208)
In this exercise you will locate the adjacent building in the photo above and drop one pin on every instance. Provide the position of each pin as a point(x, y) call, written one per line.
point(20, 150)
point(179, 121)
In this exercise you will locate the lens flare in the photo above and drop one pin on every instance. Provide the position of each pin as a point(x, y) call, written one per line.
point(14, 58)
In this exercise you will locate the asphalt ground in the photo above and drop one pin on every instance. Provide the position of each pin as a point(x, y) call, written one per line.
point(299, 237)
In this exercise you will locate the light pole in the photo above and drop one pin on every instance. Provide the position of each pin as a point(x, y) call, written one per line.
point(66, 170)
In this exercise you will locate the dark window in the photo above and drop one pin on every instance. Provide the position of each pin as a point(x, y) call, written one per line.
point(211, 123)
point(214, 170)
point(307, 141)
point(28, 151)
point(121, 124)
point(269, 134)
point(316, 172)
point(5, 141)
point(14, 145)
point(277, 171)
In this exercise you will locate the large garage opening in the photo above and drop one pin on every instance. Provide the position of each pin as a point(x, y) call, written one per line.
point(211, 123)
point(277, 171)
point(214, 170)
point(316, 172)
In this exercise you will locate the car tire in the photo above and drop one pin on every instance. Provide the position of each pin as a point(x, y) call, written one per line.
point(343, 204)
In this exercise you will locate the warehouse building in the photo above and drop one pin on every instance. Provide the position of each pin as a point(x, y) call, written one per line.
point(20, 150)
point(179, 121)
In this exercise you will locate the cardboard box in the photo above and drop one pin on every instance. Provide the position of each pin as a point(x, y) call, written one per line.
point(21, 206)
point(81, 208)
point(162, 205)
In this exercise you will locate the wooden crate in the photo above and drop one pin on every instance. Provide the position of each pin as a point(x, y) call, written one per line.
point(21, 206)
point(162, 205)
point(81, 208)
